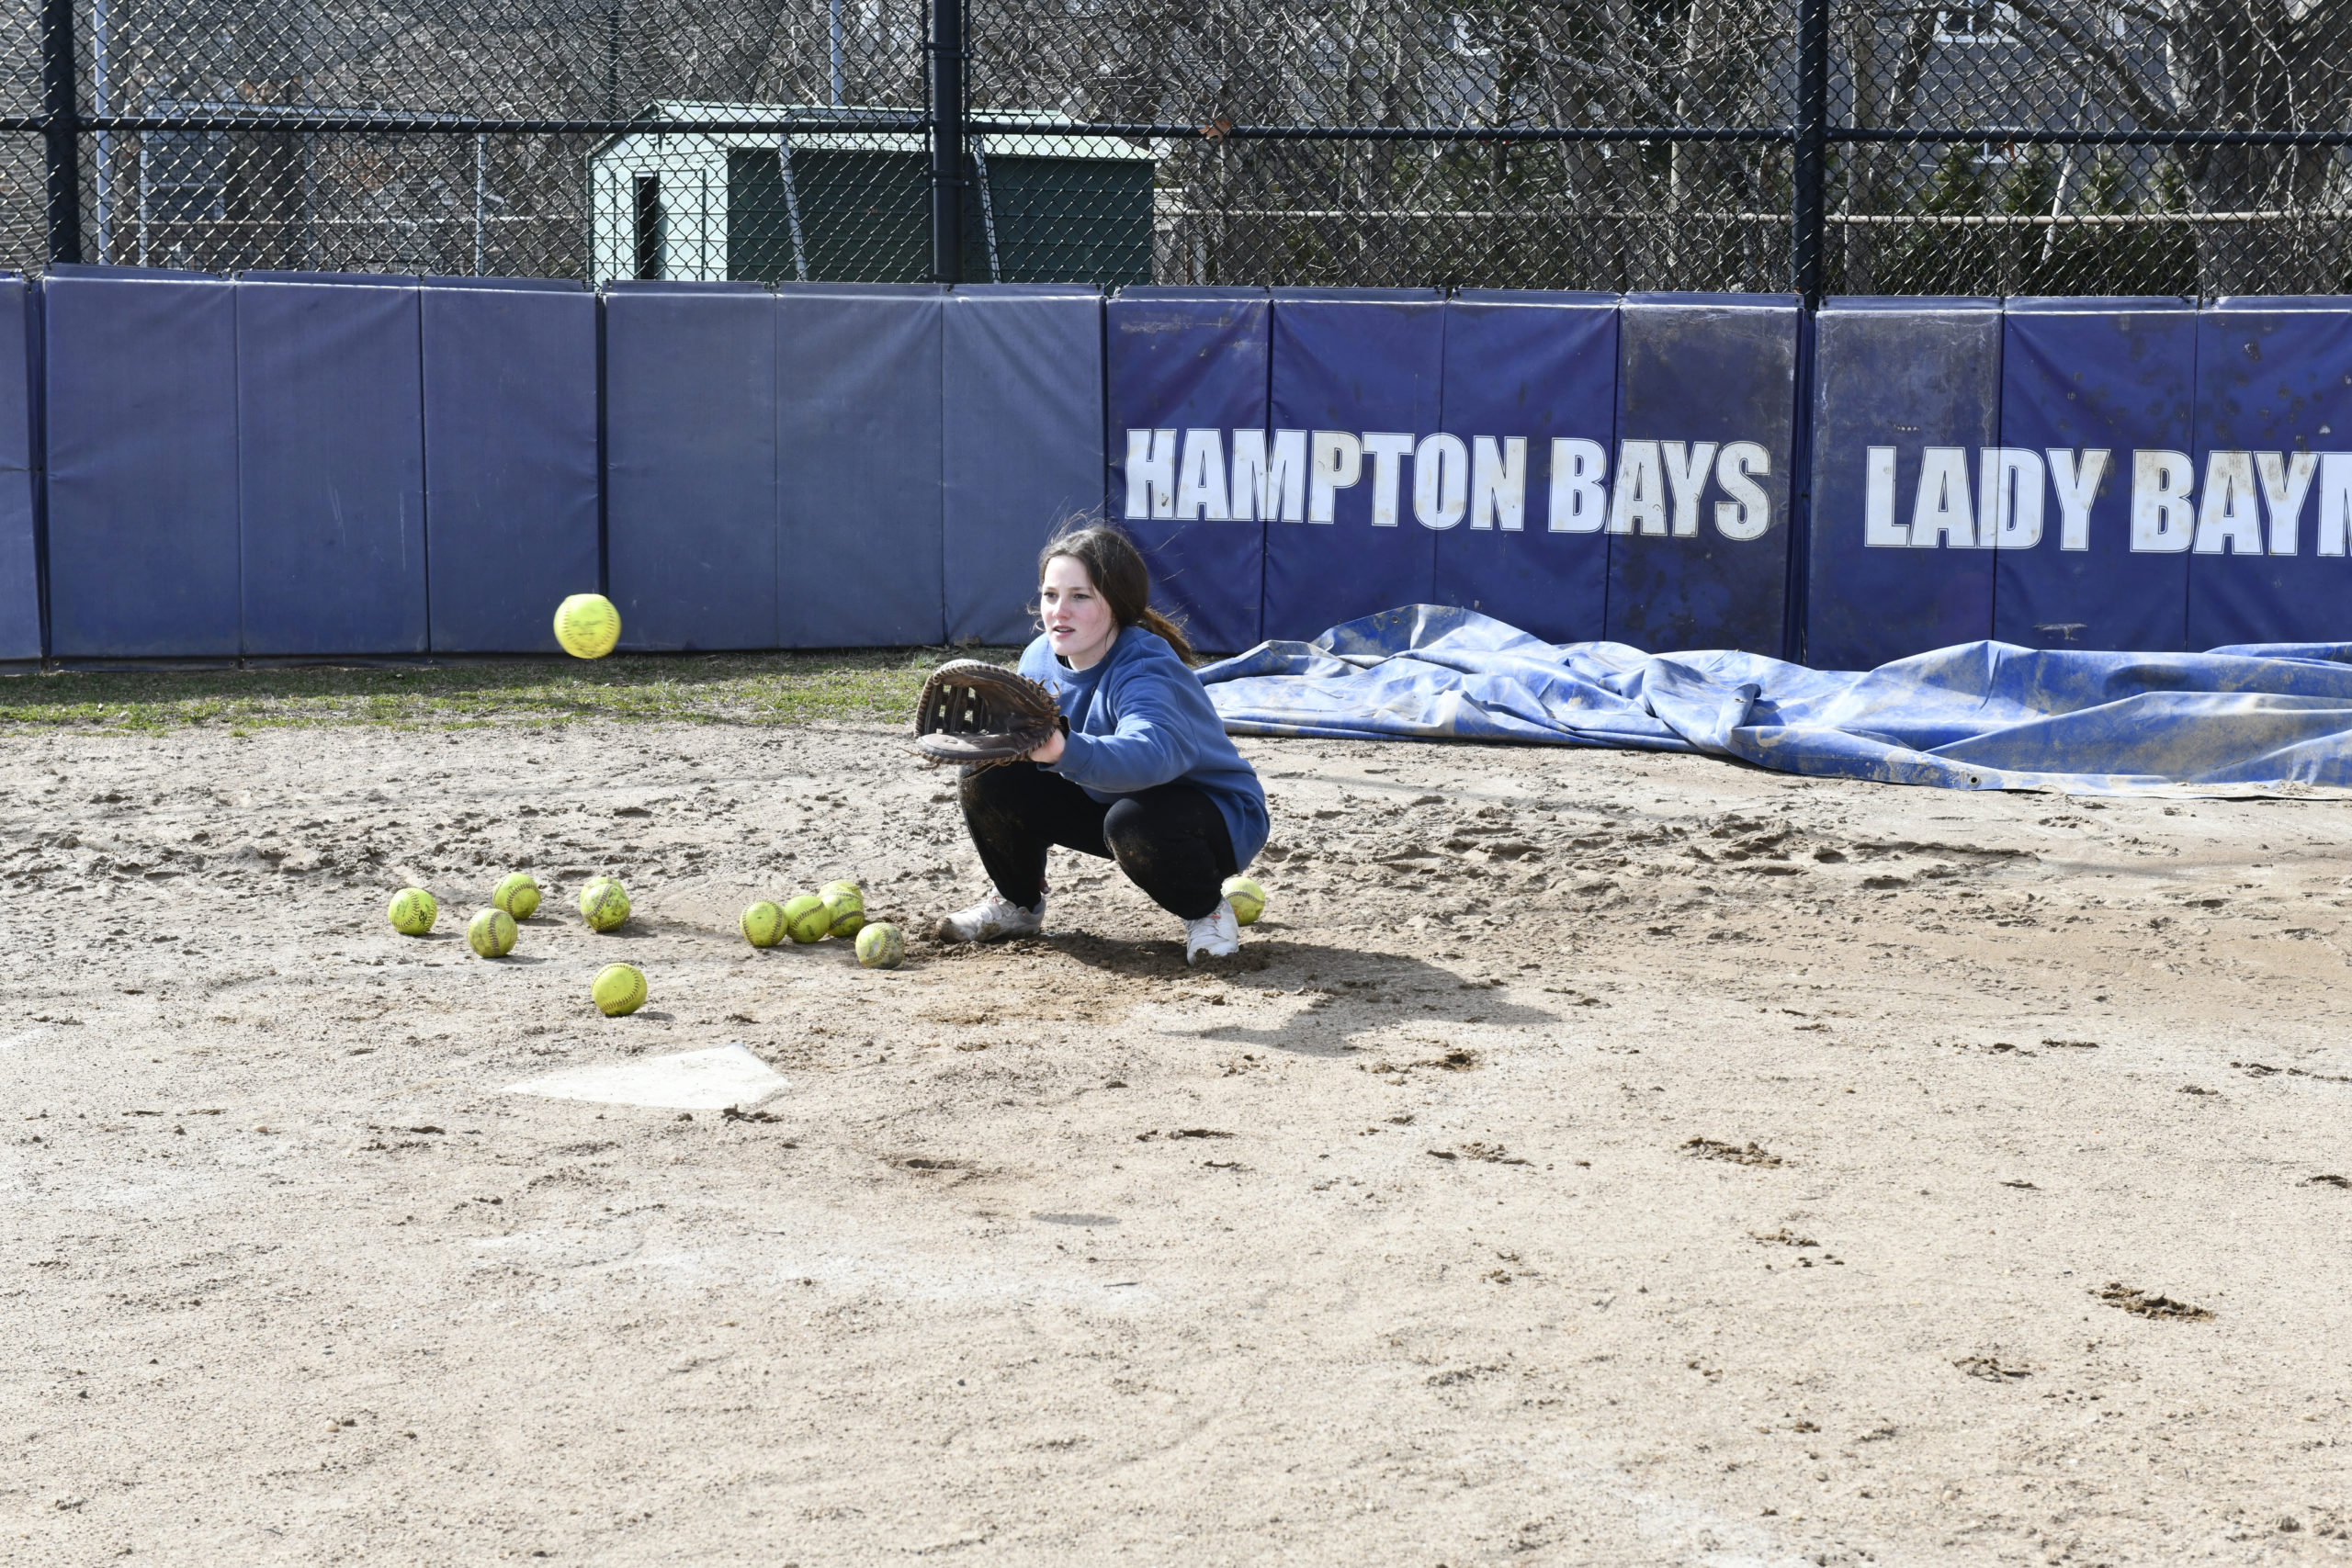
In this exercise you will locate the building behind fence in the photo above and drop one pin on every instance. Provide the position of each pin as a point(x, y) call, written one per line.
point(2032, 147)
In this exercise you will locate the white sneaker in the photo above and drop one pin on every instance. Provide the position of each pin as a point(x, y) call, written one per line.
point(1216, 933)
point(993, 919)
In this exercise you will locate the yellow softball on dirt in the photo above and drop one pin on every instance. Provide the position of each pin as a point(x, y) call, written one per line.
point(762, 923)
point(490, 933)
point(880, 946)
point(619, 989)
point(587, 625)
point(844, 912)
point(1248, 899)
point(806, 918)
point(602, 904)
point(517, 894)
point(413, 911)
point(844, 886)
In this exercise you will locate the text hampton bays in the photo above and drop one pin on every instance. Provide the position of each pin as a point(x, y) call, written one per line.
point(1296, 476)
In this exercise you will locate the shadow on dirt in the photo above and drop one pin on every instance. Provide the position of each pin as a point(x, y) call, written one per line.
point(1348, 993)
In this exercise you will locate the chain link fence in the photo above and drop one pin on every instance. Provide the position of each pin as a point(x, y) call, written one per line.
point(1841, 146)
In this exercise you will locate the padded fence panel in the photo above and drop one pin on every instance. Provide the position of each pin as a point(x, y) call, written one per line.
point(20, 636)
point(858, 549)
point(508, 285)
point(1699, 532)
point(2115, 376)
point(1349, 364)
point(1539, 369)
point(510, 461)
point(139, 408)
point(2272, 561)
point(331, 467)
point(1024, 426)
point(690, 490)
point(1182, 360)
point(1906, 393)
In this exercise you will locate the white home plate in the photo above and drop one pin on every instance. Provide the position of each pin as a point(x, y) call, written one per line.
point(691, 1080)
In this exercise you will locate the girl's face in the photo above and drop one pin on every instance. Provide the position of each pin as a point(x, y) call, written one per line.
point(1078, 624)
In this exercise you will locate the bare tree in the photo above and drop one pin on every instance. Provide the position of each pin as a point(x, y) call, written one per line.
point(2266, 213)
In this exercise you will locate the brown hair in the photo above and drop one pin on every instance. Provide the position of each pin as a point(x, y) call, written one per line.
point(1116, 569)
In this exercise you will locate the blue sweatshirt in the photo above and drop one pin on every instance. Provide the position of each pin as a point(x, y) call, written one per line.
point(1141, 717)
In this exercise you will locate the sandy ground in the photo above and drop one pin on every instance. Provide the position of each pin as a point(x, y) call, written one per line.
point(1388, 1243)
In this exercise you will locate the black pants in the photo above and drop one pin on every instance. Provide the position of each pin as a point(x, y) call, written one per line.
point(1170, 839)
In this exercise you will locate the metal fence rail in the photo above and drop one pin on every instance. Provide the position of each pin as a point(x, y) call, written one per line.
point(1844, 146)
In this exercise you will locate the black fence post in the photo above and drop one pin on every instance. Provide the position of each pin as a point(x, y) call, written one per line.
point(947, 141)
point(61, 110)
point(1807, 231)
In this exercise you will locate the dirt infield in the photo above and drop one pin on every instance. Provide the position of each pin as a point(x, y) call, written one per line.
point(1594, 1158)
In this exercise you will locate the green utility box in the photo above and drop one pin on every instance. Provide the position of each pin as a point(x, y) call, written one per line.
point(1043, 206)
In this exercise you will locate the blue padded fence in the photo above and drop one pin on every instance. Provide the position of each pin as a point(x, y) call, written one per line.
point(21, 637)
point(1882, 366)
point(1359, 374)
point(513, 495)
point(1699, 520)
point(2097, 411)
point(1531, 391)
point(312, 465)
point(140, 399)
point(2274, 393)
point(330, 466)
point(1177, 361)
point(1022, 396)
point(690, 464)
point(858, 445)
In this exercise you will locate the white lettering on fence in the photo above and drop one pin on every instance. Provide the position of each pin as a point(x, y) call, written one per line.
point(1498, 483)
point(2286, 481)
point(2009, 493)
point(2246, 503)
point(1747, 514)
point(1579, 498)
point(2076, 481)
point(1658, 489)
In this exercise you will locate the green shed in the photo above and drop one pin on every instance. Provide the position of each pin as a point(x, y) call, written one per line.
point(1051, 205)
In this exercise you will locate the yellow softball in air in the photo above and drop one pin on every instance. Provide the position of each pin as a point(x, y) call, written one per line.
point(880, 946)
point(1248, 899)
point(491, 933)
point(413, 911)
point(846, 912)
point(806, 918)
point(602, 904)
point(619, 990)
point(762, 923)
point(517, 894)
point(587, 625)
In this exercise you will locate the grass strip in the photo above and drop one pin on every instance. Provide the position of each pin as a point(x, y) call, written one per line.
point(875, 684)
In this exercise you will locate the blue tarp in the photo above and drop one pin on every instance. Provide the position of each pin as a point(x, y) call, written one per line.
point(1977, 716)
